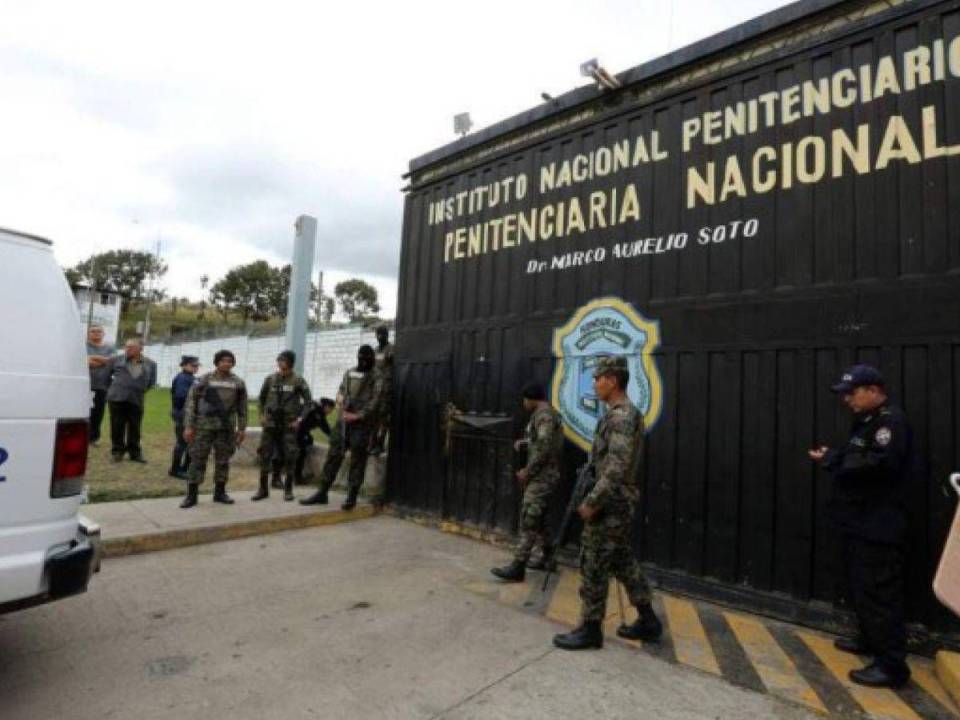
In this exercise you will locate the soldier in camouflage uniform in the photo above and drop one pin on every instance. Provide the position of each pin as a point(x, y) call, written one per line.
point(544, 440)
point(384, 365)
point(284, 398)
point(359, 399)
point(607, 513)
point(215, 419)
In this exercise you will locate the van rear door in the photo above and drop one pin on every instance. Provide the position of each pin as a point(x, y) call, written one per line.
point(45, 391)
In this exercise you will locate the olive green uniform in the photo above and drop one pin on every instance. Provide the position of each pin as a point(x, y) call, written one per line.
point(216, 409)
point(605, 547)
point(544, 447)
point(283, 399)
point(360, 393)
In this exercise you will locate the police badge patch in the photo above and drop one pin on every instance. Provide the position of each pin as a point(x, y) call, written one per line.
point(883, 437)
point(607, 326)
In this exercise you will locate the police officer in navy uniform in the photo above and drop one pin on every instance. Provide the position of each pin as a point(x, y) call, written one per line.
point(871, 474)
point(180, 462)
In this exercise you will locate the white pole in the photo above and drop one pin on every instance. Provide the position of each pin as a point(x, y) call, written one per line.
point(298, 302)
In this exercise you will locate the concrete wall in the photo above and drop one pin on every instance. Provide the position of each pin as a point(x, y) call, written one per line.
point(329, 354)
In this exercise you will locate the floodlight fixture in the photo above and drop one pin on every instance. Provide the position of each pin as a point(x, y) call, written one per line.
point(462, 123)
point(594, 70)
point(590, 67)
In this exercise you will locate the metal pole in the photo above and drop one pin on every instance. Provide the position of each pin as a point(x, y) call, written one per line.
point(89, 309)
point(298, 302)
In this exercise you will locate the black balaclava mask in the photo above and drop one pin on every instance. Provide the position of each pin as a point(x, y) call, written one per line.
point(365, 358)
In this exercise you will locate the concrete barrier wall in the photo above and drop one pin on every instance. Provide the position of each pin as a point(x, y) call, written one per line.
point(329, 353)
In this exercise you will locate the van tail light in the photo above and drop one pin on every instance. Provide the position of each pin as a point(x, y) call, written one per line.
point(69, 458)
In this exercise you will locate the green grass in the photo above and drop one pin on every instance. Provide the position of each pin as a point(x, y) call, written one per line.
point(185, 320)
point(128, 481)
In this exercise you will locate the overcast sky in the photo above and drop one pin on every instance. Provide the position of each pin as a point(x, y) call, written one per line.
point(212, 125)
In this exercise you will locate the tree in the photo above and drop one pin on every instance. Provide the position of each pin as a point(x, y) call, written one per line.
point(357, 298)
point(247, 290)
point(127, 272)
point(73, 277)
point(327, 308)
point(204, 281)
point(279, 293)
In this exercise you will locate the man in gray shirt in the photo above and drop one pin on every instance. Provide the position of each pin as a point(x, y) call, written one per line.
point(99, 356)
point(132, 375)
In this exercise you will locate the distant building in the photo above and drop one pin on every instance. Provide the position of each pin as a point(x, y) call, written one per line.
point(105, 310)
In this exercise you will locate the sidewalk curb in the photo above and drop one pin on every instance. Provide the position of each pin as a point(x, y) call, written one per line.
point(185, 537)
point(496, 538)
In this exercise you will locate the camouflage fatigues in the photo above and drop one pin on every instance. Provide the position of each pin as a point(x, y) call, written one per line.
point(605, 547)
point(282, 400)
point(384, 366)
point(215, 431)
point(545, 444)
point(360, 393)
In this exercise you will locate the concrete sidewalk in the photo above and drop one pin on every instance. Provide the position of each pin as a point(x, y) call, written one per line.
point(138, 526)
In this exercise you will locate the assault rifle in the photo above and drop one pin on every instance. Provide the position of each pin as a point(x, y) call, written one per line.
point(216, 402)
point(586, 479)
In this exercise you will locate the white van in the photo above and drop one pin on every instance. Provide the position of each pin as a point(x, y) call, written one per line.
point(47, 550)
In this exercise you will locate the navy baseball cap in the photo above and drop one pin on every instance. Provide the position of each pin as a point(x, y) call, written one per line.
point(857, 376)
point(189, 360)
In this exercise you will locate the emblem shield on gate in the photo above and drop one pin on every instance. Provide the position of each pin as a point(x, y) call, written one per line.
point(606, 326)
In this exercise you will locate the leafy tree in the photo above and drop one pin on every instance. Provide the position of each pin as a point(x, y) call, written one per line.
point(279, 292)
point(247, 290)
point(358, 299)
point(328, 307)
point(72, 276)
point(127, 272)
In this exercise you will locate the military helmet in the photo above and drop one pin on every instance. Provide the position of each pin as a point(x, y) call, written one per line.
point(610, 365)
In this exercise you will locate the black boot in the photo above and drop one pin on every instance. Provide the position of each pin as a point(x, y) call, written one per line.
point(514, 572)
point(545, 559)
point(646, 627)
point(191, 498)
point(878, 676)
point(318, 498)
point(220, 494)
point(288, 488)
point(263, 492)
point(351, 502)
point(275, 481)
point(588, 635)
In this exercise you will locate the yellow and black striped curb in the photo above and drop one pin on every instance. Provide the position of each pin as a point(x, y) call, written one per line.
point(795, 664)
point(185, 537)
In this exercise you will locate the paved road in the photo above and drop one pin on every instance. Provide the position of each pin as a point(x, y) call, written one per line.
point(364, 620)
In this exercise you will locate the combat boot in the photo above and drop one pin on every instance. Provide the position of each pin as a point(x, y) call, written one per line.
point(191, 497)
point(351, 502)
point(646, 627)
point(288, 488)
point(275, 482)
point(514, 572)
point(588, 635)
point(263, 492)
point(220, 494)
point(318, 498)
point(878, 676)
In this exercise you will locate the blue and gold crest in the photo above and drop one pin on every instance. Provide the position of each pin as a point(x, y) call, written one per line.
point(607, 326)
